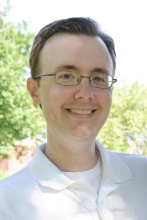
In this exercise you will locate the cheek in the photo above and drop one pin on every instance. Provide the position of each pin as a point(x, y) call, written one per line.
point(47, 101)
point(106, 100)
point(53, 98)
point(45, 96)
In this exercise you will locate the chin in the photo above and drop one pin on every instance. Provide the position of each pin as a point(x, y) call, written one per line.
point(82, 135)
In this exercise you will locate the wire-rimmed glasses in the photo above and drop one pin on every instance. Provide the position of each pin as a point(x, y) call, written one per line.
point(69, 78)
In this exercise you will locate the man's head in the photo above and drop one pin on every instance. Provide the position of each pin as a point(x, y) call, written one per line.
point(75, 47)
point(76, 26)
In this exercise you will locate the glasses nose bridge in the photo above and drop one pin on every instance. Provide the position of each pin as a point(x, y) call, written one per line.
point(85, 77)
point(85, 89)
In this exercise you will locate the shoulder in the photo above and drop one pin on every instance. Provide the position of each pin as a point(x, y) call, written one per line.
point(12, 192)
point(15, 188)
point(16, 180)
point(132, 158)
point(137, 163)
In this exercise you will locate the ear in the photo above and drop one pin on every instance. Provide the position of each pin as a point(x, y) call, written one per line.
point(33, 89)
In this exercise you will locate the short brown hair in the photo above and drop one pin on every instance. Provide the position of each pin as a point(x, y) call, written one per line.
point(78, 26)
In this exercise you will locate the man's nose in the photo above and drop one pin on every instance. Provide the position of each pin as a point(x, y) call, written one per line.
point(84, 89)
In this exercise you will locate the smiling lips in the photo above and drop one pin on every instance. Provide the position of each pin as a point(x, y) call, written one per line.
point(81, 112)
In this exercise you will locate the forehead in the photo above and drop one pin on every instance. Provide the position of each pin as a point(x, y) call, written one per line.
point(81, 51)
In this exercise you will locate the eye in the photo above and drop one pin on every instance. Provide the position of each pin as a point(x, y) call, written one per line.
point(66, 76)
point(98, 79)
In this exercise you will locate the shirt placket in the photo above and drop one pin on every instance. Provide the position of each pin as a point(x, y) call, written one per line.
point(106, 187)
point(87, 195)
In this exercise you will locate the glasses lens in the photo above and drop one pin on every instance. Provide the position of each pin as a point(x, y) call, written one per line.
point(67, 78)
point(101, 80)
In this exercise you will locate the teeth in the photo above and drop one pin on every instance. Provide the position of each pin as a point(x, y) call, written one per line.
point(80, 112)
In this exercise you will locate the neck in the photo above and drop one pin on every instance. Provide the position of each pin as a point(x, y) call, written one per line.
point(71, 155)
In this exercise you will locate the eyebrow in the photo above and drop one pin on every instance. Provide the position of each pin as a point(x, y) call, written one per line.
point(75, 68)
point(67, 67)
point(100, 70)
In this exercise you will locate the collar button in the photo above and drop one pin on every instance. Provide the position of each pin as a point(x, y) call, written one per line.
point(78, 186)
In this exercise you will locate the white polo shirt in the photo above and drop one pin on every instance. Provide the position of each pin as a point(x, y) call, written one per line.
point(40, 191)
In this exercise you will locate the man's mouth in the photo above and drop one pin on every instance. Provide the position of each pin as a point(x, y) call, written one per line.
point(87, 112)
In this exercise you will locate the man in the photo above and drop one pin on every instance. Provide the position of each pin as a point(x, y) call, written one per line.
point(72, 176)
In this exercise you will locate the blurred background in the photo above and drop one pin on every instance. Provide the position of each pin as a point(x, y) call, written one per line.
point(22, 126)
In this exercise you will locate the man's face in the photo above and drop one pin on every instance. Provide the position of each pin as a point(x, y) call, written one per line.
point(81, 54)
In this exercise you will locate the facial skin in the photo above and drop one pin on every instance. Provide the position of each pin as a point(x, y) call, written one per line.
point(80, 54)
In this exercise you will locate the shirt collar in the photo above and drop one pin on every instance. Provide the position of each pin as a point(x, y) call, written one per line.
point(47, 174)
point(113, 167)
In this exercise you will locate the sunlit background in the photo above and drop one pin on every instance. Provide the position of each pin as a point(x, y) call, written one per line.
point(125, 21)
point(22, 123)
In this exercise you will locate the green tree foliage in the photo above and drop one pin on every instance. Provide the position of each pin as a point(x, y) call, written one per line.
point(126, 127)
point(3, 174)
point(19, 118)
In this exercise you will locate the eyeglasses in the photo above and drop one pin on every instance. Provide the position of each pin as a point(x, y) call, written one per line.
point(68, 78)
